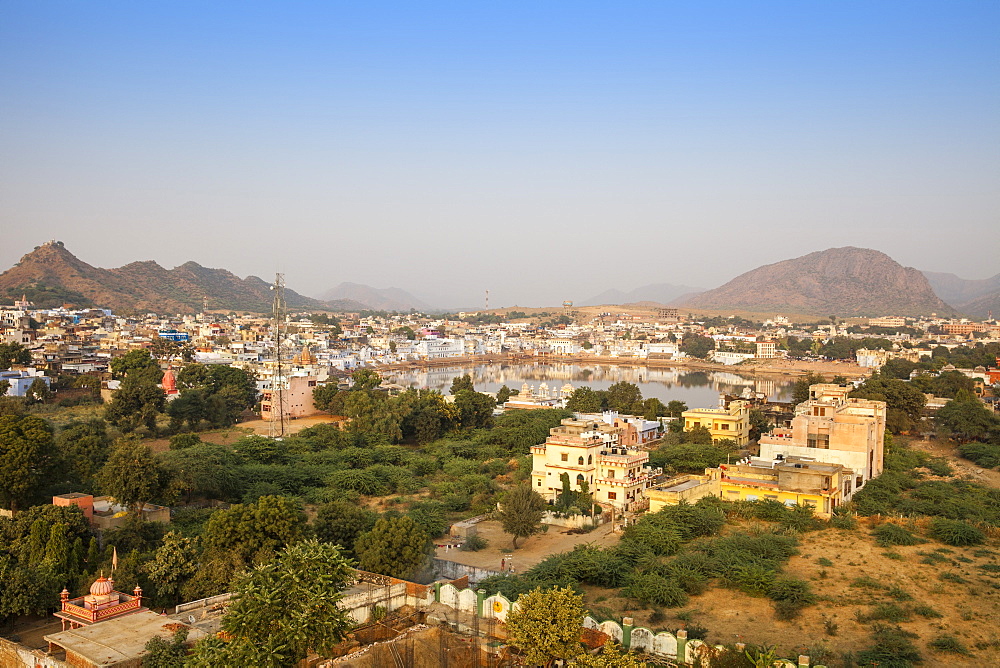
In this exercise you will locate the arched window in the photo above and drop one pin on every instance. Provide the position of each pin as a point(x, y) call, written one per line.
point(579, 461)
point(580, 479)
point(590, 459)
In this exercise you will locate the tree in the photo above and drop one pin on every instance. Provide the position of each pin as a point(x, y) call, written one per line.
point(283, 610)
point(340, 523)
point(521, 512)
point(697, 345)
point(131, 475)
point(173, 564)
point(163, 653)
point(675, 408)
point(253, 533)
point(5, 387)
point(459, 383)
point(366, 379)
point(27, 455)
point(138, 401)
point(137, 364)
point(699, 435)
point(586, 400)
point(13, 353)
point(624, 397)
point(611, 656)
point(474, 409)
point(904, 402)
point(759, 424)
point(546, 625)
point(968, 419)
point(38, 392)
point(503, 395)
point(800, 392)
point(396, 546)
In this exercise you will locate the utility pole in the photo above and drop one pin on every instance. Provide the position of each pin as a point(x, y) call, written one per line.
point(276, 429)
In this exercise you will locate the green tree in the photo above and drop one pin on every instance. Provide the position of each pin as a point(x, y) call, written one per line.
point(675, 408)
point(968, 419)
point(759, 424)
point(5, 387)
point(697, 345)
point(163, 653)
point(172, 565)
point(253, 533)
point(698, 435)
point(27, 456)
point(396, 546)
point(624, 397)
point(586, 400)
point(131, 475)
point(521, 512)
point(904, 402)
point(138, 401)
point(13, 353)
point(366, 379)
point(800, 391)
point(38, 392)
point(283, 610)
point(474, 409)
point(83, 447)
point(340, 523)
point(546, 625)
point(503, 395)
point(611, 656)
point(459, 383)
point(137, 364)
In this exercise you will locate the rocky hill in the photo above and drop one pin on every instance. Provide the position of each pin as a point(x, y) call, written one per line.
point(839, 281)
point(379, 299)
point(52, 276)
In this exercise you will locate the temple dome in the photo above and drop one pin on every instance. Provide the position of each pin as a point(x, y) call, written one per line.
point(102, 587)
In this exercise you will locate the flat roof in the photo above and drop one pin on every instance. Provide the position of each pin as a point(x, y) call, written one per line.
point(115, 640)
point(681, 486)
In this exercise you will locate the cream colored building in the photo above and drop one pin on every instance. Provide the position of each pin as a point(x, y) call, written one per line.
point(724, 423)
point(830, 427)
point(589, 451)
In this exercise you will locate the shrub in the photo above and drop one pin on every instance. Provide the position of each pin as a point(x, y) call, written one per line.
point(887, 535)
point(753, 579)
point(939, 466)
point(986, 455)
point(891, 648)
point(866, 582)
point(948, 643)
point(888, 612)
point(823, 561)
point(899, 594)
point(790, 595)
point(845, 522)
point(662, 540)
point(956, 532)
point(474, 544)
point(925, 610)
point(181, 441)
point(650, 588)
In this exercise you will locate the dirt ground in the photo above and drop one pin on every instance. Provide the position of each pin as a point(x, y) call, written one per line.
point(969, 610)
point(263, 427)
point(963, 467)
point(219, 437)
point(529, 551)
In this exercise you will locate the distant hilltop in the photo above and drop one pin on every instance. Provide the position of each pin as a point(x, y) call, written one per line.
point(51, 276)
point(838, 281)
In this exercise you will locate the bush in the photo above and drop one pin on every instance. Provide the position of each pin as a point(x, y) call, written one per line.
point(926, 611)
point(948, 643)
point(955, 532)
point(846, 522)
point(891, 648)
point(181, 441)
point(790, 595)
point(887, 535)
point(888, 612)
point(986, 455)
point(474, 544)
point(650, 588)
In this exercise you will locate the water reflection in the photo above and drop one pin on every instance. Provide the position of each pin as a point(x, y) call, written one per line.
point(695, 387)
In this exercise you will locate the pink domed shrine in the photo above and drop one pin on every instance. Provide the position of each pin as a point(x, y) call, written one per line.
point(102, 603)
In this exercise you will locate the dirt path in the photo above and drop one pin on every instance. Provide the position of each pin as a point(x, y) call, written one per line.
point(963, 467)
point(530, 551)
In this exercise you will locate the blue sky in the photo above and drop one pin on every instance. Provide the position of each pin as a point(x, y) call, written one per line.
point(545, 151)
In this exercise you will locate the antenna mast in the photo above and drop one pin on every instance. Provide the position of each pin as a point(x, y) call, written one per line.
point(487, 300)
point(277, 426)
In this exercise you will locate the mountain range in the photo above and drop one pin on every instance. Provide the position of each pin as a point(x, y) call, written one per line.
point(662, 293)
point(52, 276)
point(845, 281)
point(838, 281)
point(379, 299)
point(975, 298)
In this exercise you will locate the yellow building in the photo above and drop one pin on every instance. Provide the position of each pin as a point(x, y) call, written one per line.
point(589, 451)
point(731, 423)
point(790, 481)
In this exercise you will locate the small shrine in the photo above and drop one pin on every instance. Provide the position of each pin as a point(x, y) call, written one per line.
point(169, 382)
point(101, 604)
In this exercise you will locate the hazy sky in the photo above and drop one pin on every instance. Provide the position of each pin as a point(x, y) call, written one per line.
point(544, 150)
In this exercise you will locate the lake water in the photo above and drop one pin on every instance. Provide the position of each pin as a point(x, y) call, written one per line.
point(698, 389)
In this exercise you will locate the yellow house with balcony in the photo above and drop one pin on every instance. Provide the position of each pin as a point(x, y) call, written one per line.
point(731, 423)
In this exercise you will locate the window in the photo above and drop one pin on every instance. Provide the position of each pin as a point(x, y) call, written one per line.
point(579, 461)
point(752, 497)
point(539, 483)
point(612, 496)
point(580, 479)
point(611, 473)
point(724, 426)
point(590, 459)
point(564, 457)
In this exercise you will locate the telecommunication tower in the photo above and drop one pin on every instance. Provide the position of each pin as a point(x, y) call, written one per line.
point(276, 427)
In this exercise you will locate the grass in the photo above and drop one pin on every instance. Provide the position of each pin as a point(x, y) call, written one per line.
point(948, 643)
point(926, 611)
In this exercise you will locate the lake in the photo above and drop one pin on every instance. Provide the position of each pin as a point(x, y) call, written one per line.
point(698, 389)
